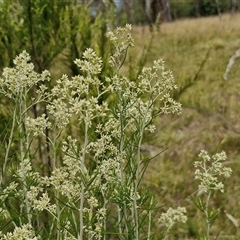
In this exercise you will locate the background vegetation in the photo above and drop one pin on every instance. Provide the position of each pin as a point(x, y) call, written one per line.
point(196, 50)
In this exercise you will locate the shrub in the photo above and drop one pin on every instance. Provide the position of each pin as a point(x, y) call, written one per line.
point(93, 187)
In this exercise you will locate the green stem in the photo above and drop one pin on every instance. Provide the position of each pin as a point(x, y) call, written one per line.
point(9, 143)
point(24, 148)
point(138, 177)
point(82, 184)
point(119, 220)
point(207, 215)
point(104, 220)
point(53, 144)
point(150, 219)
point(56, 192)
point(136, 184)
point(121, 215)
point(82, 165)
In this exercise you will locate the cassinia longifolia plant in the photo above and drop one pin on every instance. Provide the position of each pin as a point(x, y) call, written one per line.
point(208, 172)
point(93, 190)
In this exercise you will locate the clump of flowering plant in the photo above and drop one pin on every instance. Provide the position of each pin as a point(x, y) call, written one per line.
point(171, 217)
point(208, 171)
point(96, 131)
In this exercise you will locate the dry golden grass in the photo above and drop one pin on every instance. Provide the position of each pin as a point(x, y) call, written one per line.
point(209, 120)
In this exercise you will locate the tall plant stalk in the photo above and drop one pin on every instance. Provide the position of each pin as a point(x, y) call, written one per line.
point(24, 146)
point(10, 140)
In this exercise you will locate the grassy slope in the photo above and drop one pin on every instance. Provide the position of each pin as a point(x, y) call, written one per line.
point(210, 116)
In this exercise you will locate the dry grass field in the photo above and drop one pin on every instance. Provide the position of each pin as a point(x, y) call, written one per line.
point(197, 51)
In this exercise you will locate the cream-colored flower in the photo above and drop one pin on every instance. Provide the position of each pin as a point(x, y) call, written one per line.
point(37, 126)
point(24, 232)
point(20, 79)
point(173, 216)
point(209, 169)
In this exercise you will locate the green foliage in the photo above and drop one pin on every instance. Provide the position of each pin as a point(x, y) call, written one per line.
point(180, 9)
point(183, 9)
point(53, 32)
point(49, 29)
point(81, 200)
point(36, 26)
point(208, 7)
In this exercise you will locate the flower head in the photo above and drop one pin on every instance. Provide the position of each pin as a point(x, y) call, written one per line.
point(209, 169)
point(20, 233)
point(173, 216)
point(22, 77)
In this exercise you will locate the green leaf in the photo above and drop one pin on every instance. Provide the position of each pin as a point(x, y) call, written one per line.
point(199, 204)
point(212, 217)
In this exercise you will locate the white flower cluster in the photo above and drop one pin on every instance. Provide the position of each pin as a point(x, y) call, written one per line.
point(72, 96)
point(94, 230)
point(91, 63)
point(25, 232)
point(27, 167)
point(22, 78)
point(121, 39)
point(209, 169)
point(11, 189)
point(173, 216)
point(37, 126)
point(158, 82)
point(104, 145)
point(38, 202)
point(142, 100)
point(60, 111)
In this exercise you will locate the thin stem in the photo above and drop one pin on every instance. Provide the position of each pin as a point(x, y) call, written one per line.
point(150, 219)
point(56, 192)
point(105, 219)
point(121, 215)
point(207, 215)
point(119, 220)
point(23, 174)
point(82, 183)
point(167, 234)
point(9, 143)
point(137, 180)
point(136, 183)
point(82, 165)
point(24, 145)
